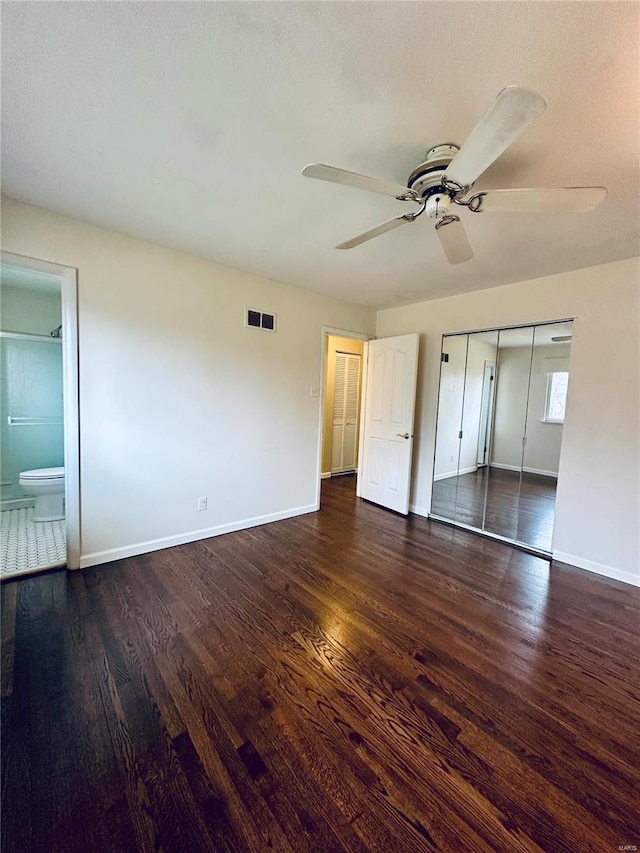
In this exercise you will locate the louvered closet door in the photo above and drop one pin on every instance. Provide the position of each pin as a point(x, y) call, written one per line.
point(346, 393)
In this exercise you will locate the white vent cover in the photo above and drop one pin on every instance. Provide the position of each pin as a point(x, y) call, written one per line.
point(255, 319)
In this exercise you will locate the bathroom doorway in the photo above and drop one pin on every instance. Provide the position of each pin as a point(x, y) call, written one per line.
point(39, 462)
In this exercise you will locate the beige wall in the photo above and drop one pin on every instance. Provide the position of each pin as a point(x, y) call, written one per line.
point(521, 397)
point(334, 344)
point(177, 399)
point(598, 504)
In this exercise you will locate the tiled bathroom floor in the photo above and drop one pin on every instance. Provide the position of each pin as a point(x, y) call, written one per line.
point(25, 545)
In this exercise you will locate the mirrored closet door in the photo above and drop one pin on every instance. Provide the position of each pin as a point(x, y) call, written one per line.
point(501, 408)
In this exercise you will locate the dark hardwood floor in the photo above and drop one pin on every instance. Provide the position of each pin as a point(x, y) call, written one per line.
point(347, 680)
point(517, 507)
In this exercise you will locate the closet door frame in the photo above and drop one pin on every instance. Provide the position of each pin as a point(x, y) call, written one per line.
point(347, 356)
point(481, 532)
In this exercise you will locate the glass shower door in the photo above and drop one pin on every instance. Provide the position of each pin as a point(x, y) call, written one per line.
point(31, 409)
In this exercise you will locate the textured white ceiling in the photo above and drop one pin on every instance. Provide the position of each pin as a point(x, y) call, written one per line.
point(188, 124)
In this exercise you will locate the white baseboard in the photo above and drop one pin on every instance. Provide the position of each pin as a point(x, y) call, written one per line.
point(325, 475)
point(541, 472)
point(459, 473)
point(99, 557)
point(597, 568)
point(505, 467)
point(419, 510)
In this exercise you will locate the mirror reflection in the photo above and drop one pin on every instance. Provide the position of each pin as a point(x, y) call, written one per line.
point(450, 402)
point(548, 390)
point(501, 411)
point(510, 415)
point(476, 428)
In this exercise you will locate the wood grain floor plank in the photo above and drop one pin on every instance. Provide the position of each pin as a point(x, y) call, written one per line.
point(348, 680)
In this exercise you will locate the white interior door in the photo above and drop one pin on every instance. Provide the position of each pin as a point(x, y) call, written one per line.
point(346, 393)
point(390, 396)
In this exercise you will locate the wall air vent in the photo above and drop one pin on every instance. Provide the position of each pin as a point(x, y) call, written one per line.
point(260, 320)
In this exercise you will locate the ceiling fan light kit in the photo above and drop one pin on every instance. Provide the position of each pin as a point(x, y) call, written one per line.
point(449, 172)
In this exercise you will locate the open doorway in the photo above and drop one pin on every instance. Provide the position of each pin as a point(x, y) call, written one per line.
point(341, 403)
point(343, 354)
point(39, 497)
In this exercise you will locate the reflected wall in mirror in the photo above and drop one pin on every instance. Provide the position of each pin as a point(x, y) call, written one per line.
point(476, 428)
point(450, 410)
point(450, 403)
point(510, 416)
point(499, 431)
point(548, 391)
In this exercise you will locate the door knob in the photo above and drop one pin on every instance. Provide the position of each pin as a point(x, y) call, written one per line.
point(403, 435)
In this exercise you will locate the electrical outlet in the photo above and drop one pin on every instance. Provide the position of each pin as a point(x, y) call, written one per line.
point(202, 504)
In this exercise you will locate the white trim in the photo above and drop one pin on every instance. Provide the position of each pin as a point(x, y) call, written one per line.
point(69, 297)
point(71, 400)
point(517, 468)
point(419, 510)
point(504, 466)
point(597, 568)
point(459, 473)
point(182, 539)
point(541, 472)
point(363, 405)
point(325, 475)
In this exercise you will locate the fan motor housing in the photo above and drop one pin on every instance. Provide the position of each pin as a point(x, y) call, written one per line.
point(426, 179)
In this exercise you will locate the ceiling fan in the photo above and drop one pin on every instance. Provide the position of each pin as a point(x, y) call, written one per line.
point(448, 174)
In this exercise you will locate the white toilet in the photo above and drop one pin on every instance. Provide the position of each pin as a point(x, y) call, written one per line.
point(47, 486)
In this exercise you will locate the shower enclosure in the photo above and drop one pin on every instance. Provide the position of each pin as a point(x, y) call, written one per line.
point(31, 409)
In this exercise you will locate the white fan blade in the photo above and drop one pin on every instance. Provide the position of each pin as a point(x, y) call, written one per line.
point(360, 182)
point(567, 199)
point(374, 232)
point(506, 119)
point(454, 241)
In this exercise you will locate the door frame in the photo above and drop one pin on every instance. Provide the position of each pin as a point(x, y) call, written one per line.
point(349, 470)
point(488, 365)
point(327, 331)
point(70, 383)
